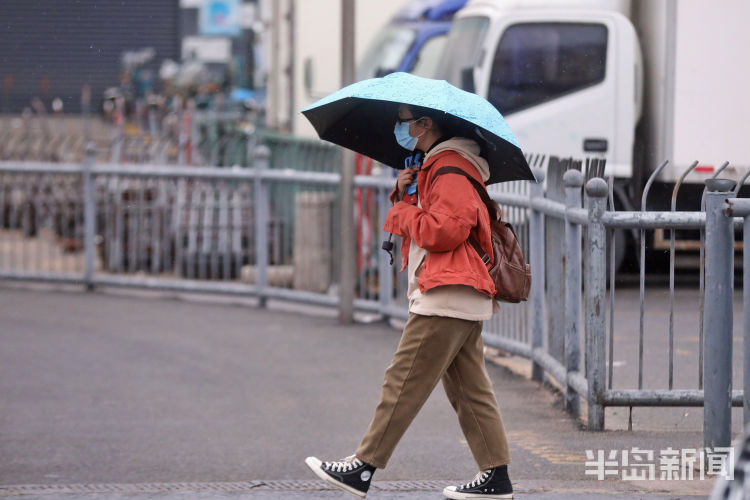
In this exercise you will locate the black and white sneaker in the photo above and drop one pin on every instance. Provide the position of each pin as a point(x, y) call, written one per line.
point(350, 474)
point(490, 483)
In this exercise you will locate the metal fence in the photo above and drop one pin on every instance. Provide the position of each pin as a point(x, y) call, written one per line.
point(185, 137)
point(272, 231)
point(267, 231)
point(39, 139)
point(572, 323)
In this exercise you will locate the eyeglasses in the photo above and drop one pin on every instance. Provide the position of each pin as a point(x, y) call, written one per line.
point(407, 120)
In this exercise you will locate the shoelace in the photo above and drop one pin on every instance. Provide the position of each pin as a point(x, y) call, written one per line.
point(344, 465)
point(478, 479)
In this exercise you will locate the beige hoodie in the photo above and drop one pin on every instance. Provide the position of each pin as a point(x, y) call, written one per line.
point(469, 149)
point(453, 301)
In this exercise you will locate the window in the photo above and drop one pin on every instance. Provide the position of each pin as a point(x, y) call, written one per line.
point(536, 62)
point(386, 51)
point(462, 49)
point(429, 56)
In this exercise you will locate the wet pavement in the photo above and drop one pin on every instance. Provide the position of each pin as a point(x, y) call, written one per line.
point(114, 395)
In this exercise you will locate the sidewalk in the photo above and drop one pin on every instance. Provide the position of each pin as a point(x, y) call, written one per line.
point(121, 396)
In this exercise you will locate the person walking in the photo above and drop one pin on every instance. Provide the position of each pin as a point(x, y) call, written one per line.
point(450, 294)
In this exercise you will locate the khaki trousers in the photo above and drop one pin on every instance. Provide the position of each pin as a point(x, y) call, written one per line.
point(431, 348)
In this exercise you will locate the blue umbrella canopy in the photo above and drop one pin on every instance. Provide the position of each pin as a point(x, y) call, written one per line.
point(361, 117)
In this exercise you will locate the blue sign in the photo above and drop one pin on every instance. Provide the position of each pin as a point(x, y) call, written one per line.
point(220, 18)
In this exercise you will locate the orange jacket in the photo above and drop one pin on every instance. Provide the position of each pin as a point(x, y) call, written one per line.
point(451, 210)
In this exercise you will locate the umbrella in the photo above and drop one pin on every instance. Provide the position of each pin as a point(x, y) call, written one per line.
point(361, 117)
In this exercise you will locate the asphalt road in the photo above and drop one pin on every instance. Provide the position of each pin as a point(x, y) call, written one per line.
point(115, 389)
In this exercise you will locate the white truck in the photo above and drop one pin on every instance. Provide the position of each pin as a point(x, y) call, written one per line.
point(633, 82)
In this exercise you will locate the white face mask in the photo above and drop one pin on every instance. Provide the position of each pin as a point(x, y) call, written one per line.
point(405, 140)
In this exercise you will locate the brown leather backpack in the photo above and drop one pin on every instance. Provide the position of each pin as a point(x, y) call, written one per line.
point(510, 272)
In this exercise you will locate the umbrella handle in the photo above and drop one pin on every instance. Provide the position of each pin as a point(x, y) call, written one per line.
point(388, 246)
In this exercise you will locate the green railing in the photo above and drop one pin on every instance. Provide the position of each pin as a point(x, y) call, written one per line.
point(312, 155)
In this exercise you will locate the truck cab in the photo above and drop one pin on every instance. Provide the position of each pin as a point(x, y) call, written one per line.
point(412, 41)
point(566, 75)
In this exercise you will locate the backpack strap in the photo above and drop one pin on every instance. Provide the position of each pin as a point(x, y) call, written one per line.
point(491, 205)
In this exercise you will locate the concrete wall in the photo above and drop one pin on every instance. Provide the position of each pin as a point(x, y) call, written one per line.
point(50, 51)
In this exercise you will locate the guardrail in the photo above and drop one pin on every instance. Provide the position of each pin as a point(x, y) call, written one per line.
point(570, 294)
point(185, 228)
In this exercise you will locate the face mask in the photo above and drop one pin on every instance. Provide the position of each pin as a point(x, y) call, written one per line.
point(401, 131)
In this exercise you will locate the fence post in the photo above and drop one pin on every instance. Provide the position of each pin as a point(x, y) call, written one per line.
point(555, 262)
point(536, 258)
point(596, 286)
point(262, 156)
point(573, 180)
point(717, 318)
point(89, 216)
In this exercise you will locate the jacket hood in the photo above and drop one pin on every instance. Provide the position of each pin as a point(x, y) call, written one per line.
point(469, 149)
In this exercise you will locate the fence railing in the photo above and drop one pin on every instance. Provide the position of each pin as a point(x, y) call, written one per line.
point(272, 231)
point(188, 137)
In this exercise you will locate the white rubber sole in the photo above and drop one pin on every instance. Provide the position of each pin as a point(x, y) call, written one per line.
point(456, 495)
point(315, 463)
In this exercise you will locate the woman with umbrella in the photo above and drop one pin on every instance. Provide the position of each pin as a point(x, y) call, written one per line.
point(450, 291)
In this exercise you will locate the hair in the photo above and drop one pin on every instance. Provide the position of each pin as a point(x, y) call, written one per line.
point(448, 125)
